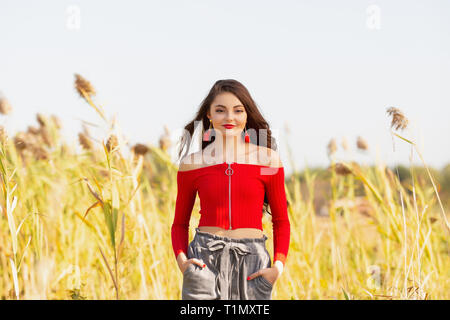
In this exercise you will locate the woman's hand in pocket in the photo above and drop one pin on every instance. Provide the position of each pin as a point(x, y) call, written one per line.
point(270, 274)
point(184, 264)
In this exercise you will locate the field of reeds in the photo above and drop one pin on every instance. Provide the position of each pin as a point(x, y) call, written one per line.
point(96, 224)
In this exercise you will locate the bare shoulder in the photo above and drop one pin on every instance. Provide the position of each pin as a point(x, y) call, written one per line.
point(271, 157)
point(187, 163)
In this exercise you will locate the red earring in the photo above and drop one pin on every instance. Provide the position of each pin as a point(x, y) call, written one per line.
point(207, 134)
point(247, 136)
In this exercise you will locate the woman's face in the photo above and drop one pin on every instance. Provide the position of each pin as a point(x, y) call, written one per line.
point(227, 109)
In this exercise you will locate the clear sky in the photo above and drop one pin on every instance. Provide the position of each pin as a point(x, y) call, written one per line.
point(326, 68)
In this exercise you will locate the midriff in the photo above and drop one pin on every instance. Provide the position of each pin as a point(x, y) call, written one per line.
point(234, 233)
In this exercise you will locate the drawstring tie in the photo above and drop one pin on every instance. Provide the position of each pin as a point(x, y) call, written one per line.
point(236, 249)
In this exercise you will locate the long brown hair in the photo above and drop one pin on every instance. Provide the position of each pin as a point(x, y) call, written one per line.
point(254, 119)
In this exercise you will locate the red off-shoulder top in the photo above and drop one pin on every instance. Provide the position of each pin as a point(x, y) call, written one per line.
point(232, 197)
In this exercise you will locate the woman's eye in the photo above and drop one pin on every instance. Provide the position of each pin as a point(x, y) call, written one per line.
point(222, 110)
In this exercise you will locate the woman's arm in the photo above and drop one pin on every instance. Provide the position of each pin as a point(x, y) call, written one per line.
point(276, 194)
point(186, 194)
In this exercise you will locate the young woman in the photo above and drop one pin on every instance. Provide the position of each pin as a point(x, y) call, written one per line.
point(236, 173)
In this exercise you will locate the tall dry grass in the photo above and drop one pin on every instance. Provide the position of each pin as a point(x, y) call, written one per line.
point(96, 224)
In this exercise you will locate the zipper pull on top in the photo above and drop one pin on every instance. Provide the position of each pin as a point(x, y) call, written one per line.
point(229, 171)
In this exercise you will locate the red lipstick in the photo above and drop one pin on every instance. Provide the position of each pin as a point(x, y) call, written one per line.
point(229, 126)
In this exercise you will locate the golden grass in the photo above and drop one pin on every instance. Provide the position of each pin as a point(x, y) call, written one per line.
point(96, 225)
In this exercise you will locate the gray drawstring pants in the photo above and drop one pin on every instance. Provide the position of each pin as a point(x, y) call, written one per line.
point(228, 263)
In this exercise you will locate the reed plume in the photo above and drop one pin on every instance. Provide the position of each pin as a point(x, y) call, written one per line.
point(45, 136)
point(20, 141)
point(399, 121)
point(164, 140)
point(56, 121)
point(87, 91)
point(33, 130)
point(83, 86)
point(342, 169)
point(331, 147)
point(29, 143)
point(112, 143)
point(5, 106)
point(140, 149)
point(361, 143)
point(39, 152)
point(344, 144)
point(85, 142)
point(41, 119)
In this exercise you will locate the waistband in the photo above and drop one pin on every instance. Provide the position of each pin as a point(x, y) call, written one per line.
point(207, 235)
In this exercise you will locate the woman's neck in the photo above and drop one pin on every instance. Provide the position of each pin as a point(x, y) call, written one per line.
point(229, 149)
point(233, 146)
